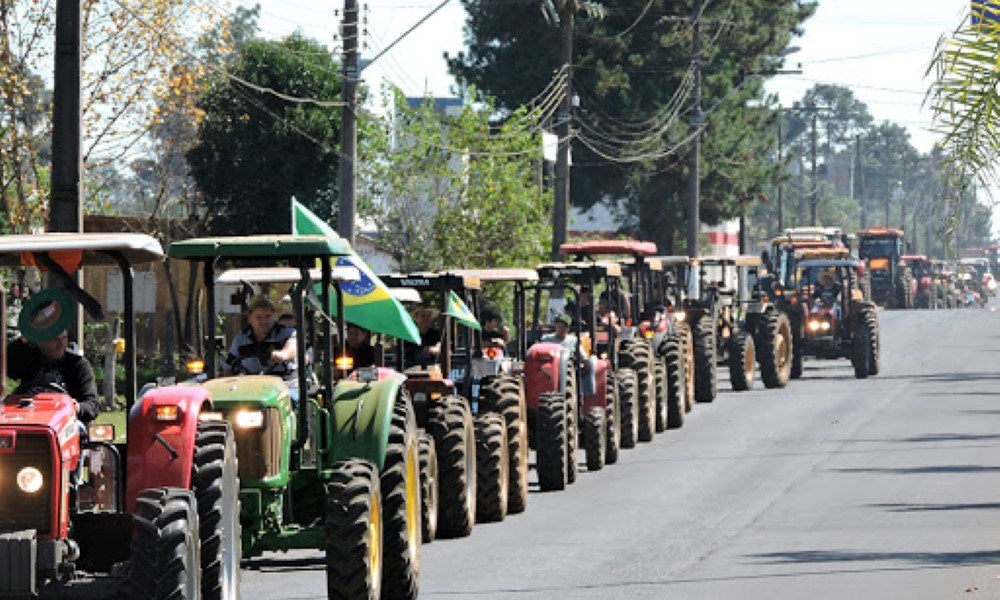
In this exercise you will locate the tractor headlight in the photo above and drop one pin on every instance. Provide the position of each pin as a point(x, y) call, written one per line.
point(249, 419)
point(825, 326)
point(680, 316)
point(30, 480)
point(814, 325)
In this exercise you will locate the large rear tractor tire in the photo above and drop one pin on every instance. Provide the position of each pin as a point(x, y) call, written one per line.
point(705, 375)
point(492, 464)
point(628, 396)
point(354, 531)
point(428, 488)
point(552, 459)
point(505, 396)
point(862, 355)
point(662, 393)
point(676, 393)
point(401, 505)
point(742, 362)
point(874, 341)
point(595, 438)
point(572, 438)
point(450, 423)
point(638, 355)
point(216, 484)
point(166, 562)
point(776, 350)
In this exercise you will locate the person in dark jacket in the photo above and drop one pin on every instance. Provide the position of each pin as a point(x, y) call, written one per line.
point(359, 346)
point(46, 366)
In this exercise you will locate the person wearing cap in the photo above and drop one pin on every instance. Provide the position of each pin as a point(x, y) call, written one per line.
point(264, 346)
point(828, 290)
point(567, 340)
point(359, 347)
point(42, 364)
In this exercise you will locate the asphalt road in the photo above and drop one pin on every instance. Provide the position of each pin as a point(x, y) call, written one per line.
point(832, 488)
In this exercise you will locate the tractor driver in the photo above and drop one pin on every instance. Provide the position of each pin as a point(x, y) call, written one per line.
point(495, 334)
point(44, 365)
point(563, 337)
point(429, 349)
point(829, 290)
point(265, 346)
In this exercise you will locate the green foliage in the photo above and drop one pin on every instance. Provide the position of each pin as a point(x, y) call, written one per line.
point(456, 190)
point(255, 151)
point(631, 71)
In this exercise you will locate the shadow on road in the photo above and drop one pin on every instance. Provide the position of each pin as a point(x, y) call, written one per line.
point(283, 565)
point(952, 437)
point(904, 508)
point(944, 559)
point(921, 470)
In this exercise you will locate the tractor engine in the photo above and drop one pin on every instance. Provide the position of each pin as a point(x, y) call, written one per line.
point(39, 451)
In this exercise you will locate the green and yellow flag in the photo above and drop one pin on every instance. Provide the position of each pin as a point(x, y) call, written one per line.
point(367, 302)
point(459, 311)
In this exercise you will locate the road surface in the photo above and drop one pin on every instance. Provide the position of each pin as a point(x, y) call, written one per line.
point(833, 488)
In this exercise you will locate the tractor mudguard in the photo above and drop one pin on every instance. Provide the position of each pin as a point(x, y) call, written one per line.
point(543, 372)
point(600, 396)
point(360, 418)
point(162, 429)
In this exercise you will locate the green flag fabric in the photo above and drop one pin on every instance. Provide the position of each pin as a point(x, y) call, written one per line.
point(367, 302)
point(459, 311)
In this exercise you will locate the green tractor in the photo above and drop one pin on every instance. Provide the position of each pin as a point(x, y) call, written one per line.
point(328, 460)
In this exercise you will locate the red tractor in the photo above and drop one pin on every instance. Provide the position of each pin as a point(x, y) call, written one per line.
point(561, 413)
point(923, 277)
point(166, 501)
point(654, 354)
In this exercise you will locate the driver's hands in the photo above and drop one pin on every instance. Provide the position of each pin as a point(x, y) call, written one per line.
point(277, 357)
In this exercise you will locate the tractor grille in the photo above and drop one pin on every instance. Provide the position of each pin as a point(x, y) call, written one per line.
point(19, 510)
point(259, 450)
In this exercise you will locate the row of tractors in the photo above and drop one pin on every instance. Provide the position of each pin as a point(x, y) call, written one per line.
point(367, 464)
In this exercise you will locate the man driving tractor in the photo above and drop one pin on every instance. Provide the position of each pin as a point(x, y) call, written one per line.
point(264, 346)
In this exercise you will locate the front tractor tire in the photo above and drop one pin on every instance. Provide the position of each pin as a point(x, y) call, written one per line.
point(401, 505)
point(505, 395)
point(428, 488)
point(354, 531)
point(705, 375)
point(216, 484)
point(450, 423)
point(594, 438)
point(742, 362)
point(776, 350)
point(166, 561)
point(552, 458)
point(676, 399)
point(638, 355)
point(628, 398)
point(613, 435)
point(492, 464)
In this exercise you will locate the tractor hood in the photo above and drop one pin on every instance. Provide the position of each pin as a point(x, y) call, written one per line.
point(55, 411)
point(264, 390)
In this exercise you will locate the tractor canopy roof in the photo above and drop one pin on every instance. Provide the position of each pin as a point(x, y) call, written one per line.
point(729, 261)
point(261, 246)
point(284, 275)
point(431, 281)
point(799, 244)
point(74, 250)
point(651, 264)
point(499, 274)
point(827, 252)
point(913, 258)
point(850, 263)
point(579, 270)
point(674, 261)
point(973, 261)
point(880, 232)
point(608, 247)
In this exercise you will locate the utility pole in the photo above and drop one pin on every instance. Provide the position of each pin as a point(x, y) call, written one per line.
point(564, 117)
point(65, 201)
point(859, 179)
point(694, 170)
point(814, 192)
point(781, 185)
point(348, 124)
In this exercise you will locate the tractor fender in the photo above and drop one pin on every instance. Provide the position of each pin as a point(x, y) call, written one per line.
point(600, 396)
point(544, 371)
point(160, 450)
point(361, 415)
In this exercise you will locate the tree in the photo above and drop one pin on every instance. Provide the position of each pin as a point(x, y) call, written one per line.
point(455, 190)
point(632, 73)
point(256, 149)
